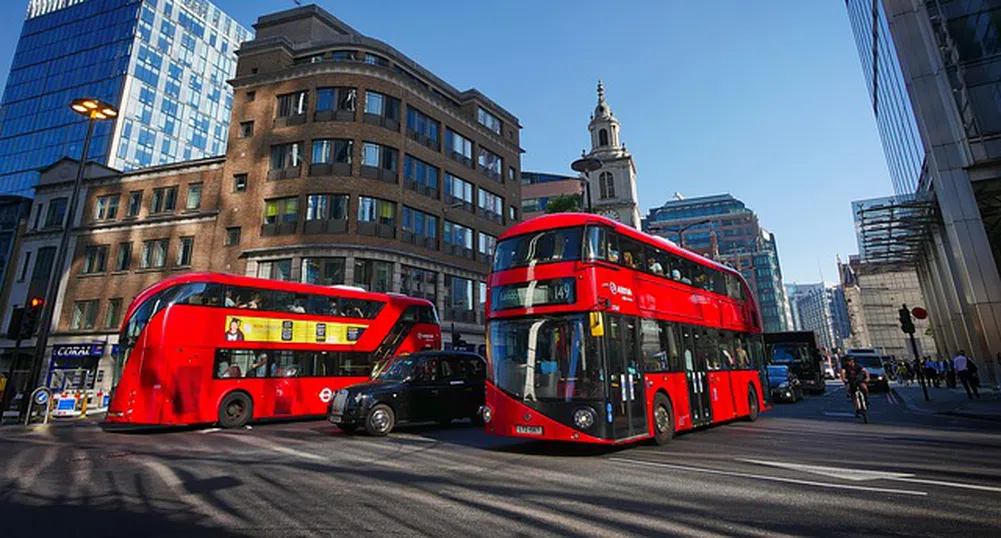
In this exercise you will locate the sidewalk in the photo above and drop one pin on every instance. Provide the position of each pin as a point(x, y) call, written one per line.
point(945, 401)
point(9, 426)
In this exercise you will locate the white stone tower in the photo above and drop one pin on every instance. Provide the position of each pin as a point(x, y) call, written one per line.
point(613, 186)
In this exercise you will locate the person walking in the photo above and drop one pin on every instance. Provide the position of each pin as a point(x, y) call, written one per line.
point(961, 364)
point(902, 377)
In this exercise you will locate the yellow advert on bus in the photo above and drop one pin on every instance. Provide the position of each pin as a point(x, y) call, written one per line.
point(256, 329)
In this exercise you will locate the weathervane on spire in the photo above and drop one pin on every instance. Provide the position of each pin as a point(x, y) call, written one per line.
point(601, 92)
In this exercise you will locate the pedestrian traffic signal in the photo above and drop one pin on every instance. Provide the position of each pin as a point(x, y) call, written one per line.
point(906, 323)
point(32, 313)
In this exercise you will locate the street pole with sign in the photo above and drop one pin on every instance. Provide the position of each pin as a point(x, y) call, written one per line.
point(907, 325)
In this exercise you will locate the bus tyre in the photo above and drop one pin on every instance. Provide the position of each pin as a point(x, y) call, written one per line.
point(235, 410)
point(663, 420)
point(380, 420)
point(752, 404)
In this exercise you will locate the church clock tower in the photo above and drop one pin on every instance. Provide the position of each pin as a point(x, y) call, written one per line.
point(613, 186)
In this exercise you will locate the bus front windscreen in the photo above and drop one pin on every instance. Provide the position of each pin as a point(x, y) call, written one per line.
point(545, 246)
point(546, 359)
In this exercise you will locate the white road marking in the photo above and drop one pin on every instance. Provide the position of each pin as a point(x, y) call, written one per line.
point(174, 482)
point(839, 414)
point(274, 447)
point(210, 430)
point(860, 475)
point(855, 475)
point(772, 478)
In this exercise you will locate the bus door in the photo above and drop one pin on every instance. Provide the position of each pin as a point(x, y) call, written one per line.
point(626, 403)
point(697, 378)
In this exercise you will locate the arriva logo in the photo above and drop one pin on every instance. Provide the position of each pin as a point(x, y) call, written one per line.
point(619, 290)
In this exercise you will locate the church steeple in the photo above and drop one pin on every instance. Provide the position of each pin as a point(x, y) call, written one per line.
point(604, 127)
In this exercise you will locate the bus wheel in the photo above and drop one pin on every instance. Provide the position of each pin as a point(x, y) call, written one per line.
point(663, 420)
point(235, 410)
point(752, 404)
point(380, 420)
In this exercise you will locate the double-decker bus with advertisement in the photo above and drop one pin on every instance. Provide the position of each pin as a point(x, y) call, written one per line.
point(597, 332)
point(205, 348)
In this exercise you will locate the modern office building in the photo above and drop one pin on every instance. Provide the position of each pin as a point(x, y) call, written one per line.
point(723, 228)
point(164, 64)
point(932, 72)
point(840, 323)
point(538, 188)
point(811, 310)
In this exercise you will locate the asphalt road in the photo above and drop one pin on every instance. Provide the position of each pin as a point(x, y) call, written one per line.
point(803, 469)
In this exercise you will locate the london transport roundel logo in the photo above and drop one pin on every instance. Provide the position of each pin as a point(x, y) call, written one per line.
point(613, 288)
point(325, 394)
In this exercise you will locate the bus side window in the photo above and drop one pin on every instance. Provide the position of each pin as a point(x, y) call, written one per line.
point(651, 343)
point(596, 247)
point(728, 359)
point(614, 254)
point(741, 355)
point(632, 254)
point(671, 343)
point(708, 349)
point(718, 281)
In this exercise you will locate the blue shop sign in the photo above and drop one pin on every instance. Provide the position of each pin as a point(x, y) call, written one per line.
point(77, 351)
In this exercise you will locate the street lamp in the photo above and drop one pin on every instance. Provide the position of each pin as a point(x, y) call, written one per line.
point(681, 232)
point(585, 165)
point(94, 110)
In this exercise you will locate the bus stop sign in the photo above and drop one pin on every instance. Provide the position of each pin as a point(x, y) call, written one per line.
point(919, 313)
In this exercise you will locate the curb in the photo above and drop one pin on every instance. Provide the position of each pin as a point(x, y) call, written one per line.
point(976, 416)
point(957, 411)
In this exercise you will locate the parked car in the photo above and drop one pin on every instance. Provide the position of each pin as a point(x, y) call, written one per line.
point(428, 386)
point(784, 384)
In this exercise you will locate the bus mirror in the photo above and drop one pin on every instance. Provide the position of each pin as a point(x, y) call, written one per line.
point(597, 326)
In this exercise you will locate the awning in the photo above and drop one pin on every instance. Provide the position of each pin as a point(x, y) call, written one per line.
point(894, 229)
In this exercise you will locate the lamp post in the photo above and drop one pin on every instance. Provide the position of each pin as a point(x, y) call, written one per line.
point(94, 110)
point(681, 232)
point(585, 165)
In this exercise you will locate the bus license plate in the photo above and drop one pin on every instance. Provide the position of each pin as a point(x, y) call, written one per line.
point(529, 430)
point(335, 418)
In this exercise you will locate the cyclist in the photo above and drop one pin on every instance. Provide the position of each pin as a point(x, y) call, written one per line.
point(855, 376)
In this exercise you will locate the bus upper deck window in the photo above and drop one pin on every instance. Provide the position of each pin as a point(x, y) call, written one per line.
point(596, 245)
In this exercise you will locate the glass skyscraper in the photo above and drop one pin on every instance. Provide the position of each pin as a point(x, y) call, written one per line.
point(164, 63)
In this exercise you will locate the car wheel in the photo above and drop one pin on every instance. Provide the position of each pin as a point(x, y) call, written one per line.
point(235, 410)
point(663, 420)
point(380, 420)
point(348, 428)
point(752, 404)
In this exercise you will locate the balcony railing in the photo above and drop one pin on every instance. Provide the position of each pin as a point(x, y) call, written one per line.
point(420, 188)
point(377, 229)
point(382, 121)
point(334, 115)
point(284, 173)
point(288, 121)
point(330, 169)
point(419, 240)
point(326, 226)
point(278, 228)
point(462, 252)
point(380, 174)
point(424, 140)
point(460, 158)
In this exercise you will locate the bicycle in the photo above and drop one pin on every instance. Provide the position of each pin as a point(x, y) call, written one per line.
point(861, 405)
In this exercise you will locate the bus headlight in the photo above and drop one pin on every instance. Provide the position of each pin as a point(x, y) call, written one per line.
point(583, 418)
point(486, 414)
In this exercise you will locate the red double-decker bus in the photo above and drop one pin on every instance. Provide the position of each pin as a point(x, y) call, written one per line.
point(600, 333)
point(212, 348)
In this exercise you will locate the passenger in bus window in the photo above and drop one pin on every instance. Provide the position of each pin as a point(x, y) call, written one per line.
point(613, 255)
point(298, 307)
point(229, 302)
point(260, 366)
point(655, 267)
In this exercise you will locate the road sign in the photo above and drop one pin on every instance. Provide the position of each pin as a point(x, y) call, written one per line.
point(919, 313)
point(41, 397)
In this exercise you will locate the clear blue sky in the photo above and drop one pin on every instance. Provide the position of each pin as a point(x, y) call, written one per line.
point(763, 99)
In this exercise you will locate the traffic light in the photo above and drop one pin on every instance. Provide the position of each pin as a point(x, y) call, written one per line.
point(906, 323)
point(32, 313)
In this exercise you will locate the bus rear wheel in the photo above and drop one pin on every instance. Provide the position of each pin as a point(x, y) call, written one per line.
point(663, 420)
point(235, 410)
point(380, 420)
point(752, 404)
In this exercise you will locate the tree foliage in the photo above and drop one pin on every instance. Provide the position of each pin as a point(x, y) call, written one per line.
point(569, 203)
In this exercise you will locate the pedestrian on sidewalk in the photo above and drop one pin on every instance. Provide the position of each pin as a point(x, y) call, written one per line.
point(950, 375)
point(902, 376)
point(931, 372)
point(961, 364)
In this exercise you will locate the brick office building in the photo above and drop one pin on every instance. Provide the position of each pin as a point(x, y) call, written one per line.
point(347, 163)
